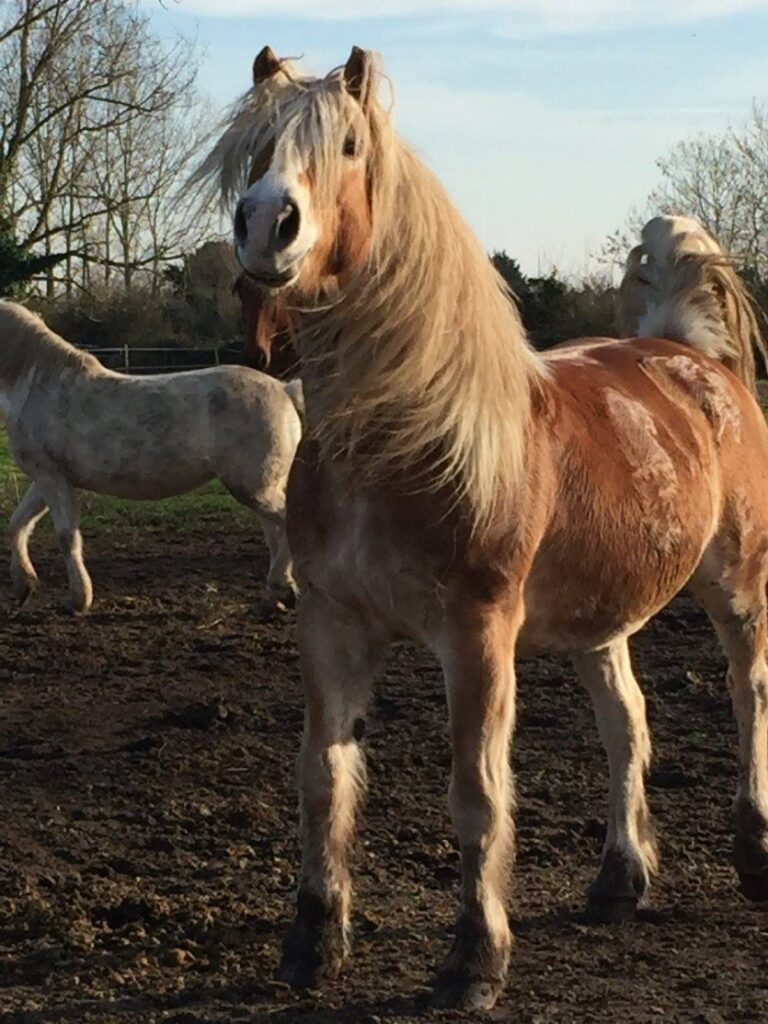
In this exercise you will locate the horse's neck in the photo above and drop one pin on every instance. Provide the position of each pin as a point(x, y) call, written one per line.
point(317, 358)
point(13, 394)
point(499, 356)
point(431, 386)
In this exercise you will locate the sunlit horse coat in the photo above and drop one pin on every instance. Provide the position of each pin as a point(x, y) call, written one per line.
point(74, 425)
point(457, 488)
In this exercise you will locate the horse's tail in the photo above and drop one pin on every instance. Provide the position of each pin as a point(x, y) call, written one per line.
point(679, 284)
point(295, 391)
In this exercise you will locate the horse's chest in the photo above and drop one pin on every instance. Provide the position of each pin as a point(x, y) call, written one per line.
point(348, 546)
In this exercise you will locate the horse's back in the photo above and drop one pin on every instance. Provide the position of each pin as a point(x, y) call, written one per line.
point(150, 437)
point(656, 446)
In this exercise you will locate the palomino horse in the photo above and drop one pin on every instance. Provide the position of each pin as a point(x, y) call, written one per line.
point(74, 424)
point(459, 489)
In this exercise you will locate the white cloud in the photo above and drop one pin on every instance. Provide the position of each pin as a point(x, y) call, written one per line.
point(517, 16)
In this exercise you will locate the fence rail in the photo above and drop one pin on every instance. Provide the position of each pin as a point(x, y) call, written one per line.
point(139, 360)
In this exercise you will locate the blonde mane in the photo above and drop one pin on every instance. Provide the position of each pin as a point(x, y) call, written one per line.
point(250, 127)
point(420, 363)
point(679, 284)
point(26, 342)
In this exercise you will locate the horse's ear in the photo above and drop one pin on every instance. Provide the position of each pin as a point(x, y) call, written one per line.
point(358, 75)
point(265, 65)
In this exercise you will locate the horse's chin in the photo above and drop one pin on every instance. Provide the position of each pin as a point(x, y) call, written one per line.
point(273, 282)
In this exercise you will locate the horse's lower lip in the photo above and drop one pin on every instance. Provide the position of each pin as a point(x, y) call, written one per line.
point(273, 280)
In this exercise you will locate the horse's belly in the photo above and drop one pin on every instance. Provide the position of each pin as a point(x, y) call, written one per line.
point(145, 477)
point(576, 602)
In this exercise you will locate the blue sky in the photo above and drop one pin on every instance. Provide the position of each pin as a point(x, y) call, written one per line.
point(544, 118)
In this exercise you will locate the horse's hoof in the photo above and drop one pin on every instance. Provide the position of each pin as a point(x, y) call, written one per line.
point(24, 590)
point(750, 852)
point(267, 612)
point(300, 972)
point(272, 608)
point(456, 991)
point(755, 887)
point(615, 894)
point(602, 910)
point(315, 946)
point(304, 965)
point(81, 599)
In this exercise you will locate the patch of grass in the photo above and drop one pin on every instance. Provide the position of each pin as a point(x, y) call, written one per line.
point(104, 514)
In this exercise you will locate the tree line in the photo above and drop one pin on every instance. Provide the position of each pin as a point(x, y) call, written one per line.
point(100, 120)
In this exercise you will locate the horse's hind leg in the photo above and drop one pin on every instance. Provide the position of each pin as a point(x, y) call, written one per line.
point(629, 854)
point(31, 508)
point(62, 501)
point(281, 588)
point(739, 616)
point(269, 506)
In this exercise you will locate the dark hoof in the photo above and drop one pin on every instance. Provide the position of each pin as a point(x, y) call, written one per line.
point(755, 887)
point(300, 972)
point(456, 991)
point(302, 961)
point(305, 964)
point(271, 608)
point(314, 947)
point(615, 894)
point(750, 852)
point(266, 612)
point(25, 592)
point(602, 910)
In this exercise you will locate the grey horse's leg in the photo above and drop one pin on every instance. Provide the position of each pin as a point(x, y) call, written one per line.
point(30, 510)
point(62, 501)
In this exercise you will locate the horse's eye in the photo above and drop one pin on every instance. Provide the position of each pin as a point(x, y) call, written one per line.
point(350, 145)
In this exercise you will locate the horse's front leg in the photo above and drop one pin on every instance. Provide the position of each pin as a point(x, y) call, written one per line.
point(338, 660)
point(31, 508)
point(477, 653)
point(629, 855)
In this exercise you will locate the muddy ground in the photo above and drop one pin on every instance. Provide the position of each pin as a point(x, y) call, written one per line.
point(147, 838)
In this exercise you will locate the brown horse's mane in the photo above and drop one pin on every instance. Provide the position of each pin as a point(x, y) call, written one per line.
point(270, 329)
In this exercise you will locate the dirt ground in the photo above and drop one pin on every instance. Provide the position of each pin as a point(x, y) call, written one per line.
point(148, 849)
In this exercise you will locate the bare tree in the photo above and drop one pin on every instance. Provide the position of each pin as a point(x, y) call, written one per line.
point(722, 180)
point(137, 167)
point(97, 121)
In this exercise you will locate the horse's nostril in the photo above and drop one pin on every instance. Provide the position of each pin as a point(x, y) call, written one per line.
point(241, 225)
point(287, 225)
